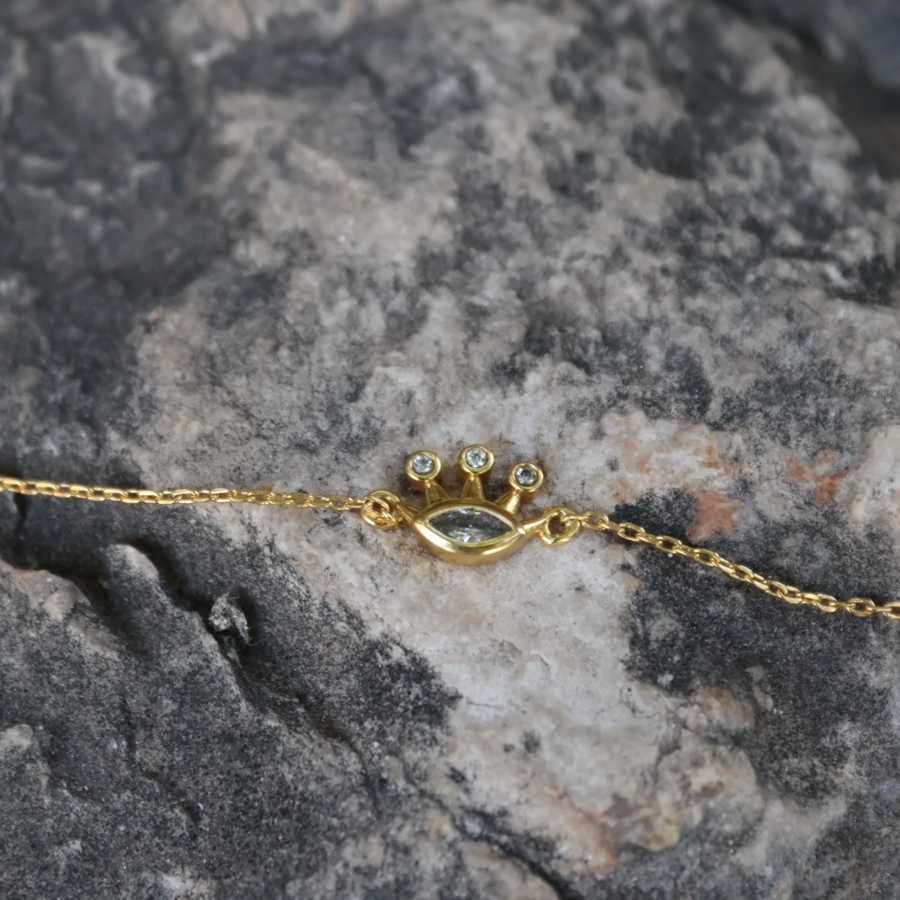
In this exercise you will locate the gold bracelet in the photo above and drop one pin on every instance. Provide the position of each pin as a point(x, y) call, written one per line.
point(468, 529)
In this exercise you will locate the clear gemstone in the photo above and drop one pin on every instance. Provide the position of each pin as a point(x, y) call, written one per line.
point(422, 464)
point(469, 525)
point(476, 457)
point(525, 476)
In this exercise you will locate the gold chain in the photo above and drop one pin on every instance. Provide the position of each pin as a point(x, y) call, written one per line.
point(377, 510)
point(627, 531)
point(297, 500)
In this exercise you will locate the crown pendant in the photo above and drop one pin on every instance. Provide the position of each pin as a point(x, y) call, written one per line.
point(470, 530)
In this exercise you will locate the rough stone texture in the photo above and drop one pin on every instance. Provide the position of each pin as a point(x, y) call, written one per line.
point(861, 33)
point(272, 242)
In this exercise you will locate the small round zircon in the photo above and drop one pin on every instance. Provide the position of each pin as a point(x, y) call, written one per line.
point(525, 476)
point(422, 464)
point(476, 457)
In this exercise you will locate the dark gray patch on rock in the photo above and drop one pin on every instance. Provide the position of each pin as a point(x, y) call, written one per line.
point(856, 33)
point(105, 212)
point(416, 100)
point(170, 810)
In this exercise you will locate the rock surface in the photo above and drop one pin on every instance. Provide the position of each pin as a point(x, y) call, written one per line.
point(860, 33)
point(276, 242)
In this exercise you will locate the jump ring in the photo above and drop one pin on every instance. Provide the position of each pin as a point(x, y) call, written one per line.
point(561, 515)
point(378, 510)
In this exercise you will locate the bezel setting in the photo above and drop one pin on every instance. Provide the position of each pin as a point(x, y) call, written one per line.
point(441, 524)
point(475, 553)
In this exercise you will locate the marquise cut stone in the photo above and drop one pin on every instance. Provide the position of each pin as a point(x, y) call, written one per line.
point(470, 525)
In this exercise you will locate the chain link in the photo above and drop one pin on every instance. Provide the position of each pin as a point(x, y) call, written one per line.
point(183, 496)
point(627, 531)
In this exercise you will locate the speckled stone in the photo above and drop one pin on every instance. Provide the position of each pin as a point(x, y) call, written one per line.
point(273, 242)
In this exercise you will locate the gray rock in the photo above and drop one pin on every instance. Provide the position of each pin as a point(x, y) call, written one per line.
point(864, 34)
point(279, 243)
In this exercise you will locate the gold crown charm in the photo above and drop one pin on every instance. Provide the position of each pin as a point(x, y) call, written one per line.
point(470, 530)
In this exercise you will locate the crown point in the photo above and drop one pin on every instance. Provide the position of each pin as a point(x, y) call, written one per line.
point(475, 459)
point(525, 478)
point(422, 464)
point(422, 468)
